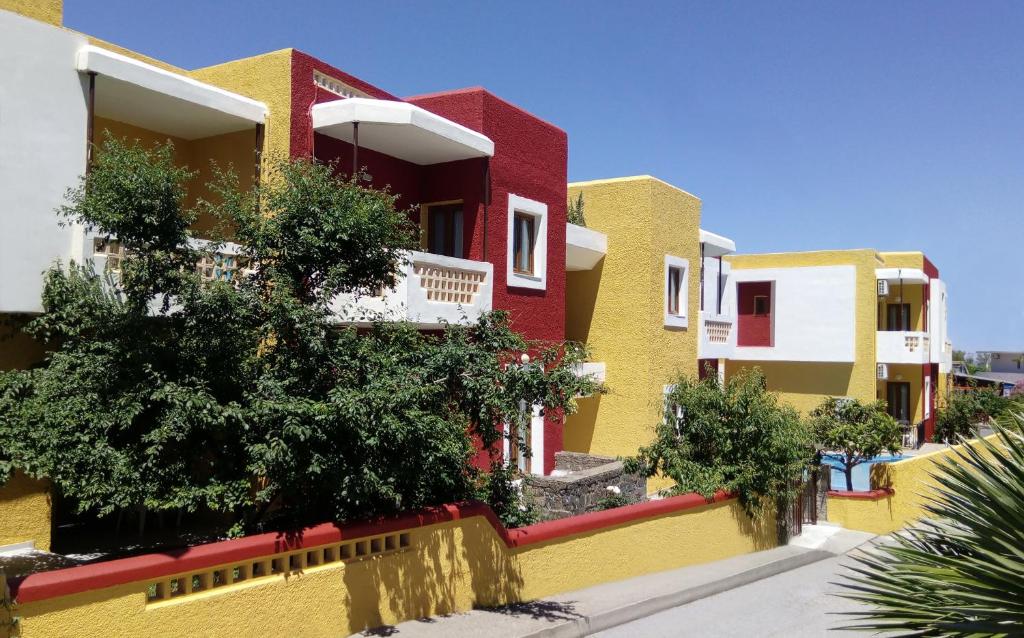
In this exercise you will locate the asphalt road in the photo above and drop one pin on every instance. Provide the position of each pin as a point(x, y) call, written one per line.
point(796, 603)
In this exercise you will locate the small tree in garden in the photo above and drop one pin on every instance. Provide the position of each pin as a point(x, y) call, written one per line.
point(166, 392)
point(733, 436)
point(958, 571)
point(854, 430)
point(964, 410)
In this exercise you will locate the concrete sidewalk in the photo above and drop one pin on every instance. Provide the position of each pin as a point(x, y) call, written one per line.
point(587, 611)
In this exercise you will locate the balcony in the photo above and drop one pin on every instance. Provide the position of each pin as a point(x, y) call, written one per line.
point(432, 290)
point(902, 347)
point(717, 336)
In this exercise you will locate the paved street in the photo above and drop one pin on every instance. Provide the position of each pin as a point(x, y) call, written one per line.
point(792, 604)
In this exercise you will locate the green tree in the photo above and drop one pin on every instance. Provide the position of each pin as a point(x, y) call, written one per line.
point(963, 410)
point(958, 571)
point(166, 392)
point(854, 430)
point(733, 436)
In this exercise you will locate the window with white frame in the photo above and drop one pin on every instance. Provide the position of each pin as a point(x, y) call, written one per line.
point(676, 287)
point(527, 243)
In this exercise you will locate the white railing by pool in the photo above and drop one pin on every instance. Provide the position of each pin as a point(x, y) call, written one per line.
point(902, 347)
point(717, 336)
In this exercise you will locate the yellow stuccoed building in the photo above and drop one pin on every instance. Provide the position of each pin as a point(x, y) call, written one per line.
point(639, 310)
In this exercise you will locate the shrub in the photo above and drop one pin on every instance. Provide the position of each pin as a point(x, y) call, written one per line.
point(733, 436)
point(963, 410)
point(164, 392)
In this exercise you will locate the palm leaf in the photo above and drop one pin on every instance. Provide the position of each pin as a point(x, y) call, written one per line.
point(960, 571)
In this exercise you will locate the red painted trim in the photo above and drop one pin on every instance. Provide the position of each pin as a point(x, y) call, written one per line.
point(871, 495)
point(74, 580)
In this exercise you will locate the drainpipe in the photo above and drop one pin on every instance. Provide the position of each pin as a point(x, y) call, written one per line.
point(702, 275)
point(355, 151)
point(90, 132)
point(260, 131)
point(719, 309)
point(487, 200)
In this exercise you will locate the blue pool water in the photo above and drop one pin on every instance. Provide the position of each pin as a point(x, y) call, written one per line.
point(861, 473)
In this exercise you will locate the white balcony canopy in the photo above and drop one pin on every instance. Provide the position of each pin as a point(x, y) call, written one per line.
point(906, 275)
point(147, 96)
point(716, 245)
point(400, 130)
point(584, 247)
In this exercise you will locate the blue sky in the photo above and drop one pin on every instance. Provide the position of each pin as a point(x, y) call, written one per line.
point(895, 126)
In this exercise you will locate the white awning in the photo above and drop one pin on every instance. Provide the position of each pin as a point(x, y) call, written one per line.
point(906, 275)
point(400, 130)
point(716, 245)
point(147, 96)
point(584, 247)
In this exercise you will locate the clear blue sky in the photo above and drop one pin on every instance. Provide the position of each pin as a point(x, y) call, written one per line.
point(895, 126)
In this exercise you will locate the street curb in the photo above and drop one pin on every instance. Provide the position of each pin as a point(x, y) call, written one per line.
point(601, 621)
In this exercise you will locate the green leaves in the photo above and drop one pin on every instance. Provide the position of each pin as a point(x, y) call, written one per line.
point(856, 431)
point(958, 572)
point(734, 437)
point(246, 398)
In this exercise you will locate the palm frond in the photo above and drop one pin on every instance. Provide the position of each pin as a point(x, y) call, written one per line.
point(960, 571)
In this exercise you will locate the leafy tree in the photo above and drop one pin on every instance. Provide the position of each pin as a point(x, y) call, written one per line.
point(733, 436)
point(963, 410)
point(958, 571)
point(575, 211)
point(856, 431)
point(166, 392)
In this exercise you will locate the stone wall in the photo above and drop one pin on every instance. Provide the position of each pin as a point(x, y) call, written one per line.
point(580, 483)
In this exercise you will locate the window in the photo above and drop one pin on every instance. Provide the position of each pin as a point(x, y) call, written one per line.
point(527, 243)
point(676, 269)
point(524, 234)
point(761, 306)
point(897, 316)
point(444, 230)
point(675, 287)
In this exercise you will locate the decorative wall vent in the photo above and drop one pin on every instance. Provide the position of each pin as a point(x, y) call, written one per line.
point(336, 86)
point(883, 288)
point(882, 371)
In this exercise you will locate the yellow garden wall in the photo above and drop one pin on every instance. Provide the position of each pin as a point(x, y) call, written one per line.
point(804, 384)
point(25, 512)
point(911, 485)
point(447, 567)
point(617, 308)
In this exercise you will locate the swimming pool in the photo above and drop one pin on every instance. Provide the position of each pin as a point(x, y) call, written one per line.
point(861, 473)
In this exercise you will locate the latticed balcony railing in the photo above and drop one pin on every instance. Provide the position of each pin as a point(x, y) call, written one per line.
point(717, 336)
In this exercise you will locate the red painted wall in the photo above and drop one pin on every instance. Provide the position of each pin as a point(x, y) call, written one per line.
point(753, 330)
point(530, 160)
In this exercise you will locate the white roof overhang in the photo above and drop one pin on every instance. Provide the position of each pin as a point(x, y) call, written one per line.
point(906, 275)
point(400, 130)
point(716, 245)
point(147, 96)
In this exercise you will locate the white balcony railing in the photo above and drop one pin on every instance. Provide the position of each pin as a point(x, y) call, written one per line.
point(717, 336)
point(902, 347)
point(432, 290)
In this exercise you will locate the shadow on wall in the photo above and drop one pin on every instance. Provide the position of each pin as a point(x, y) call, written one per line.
point(433, 579)
point(579, 428)
point(763, 529)
point(581, 288)
point(819, 379)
